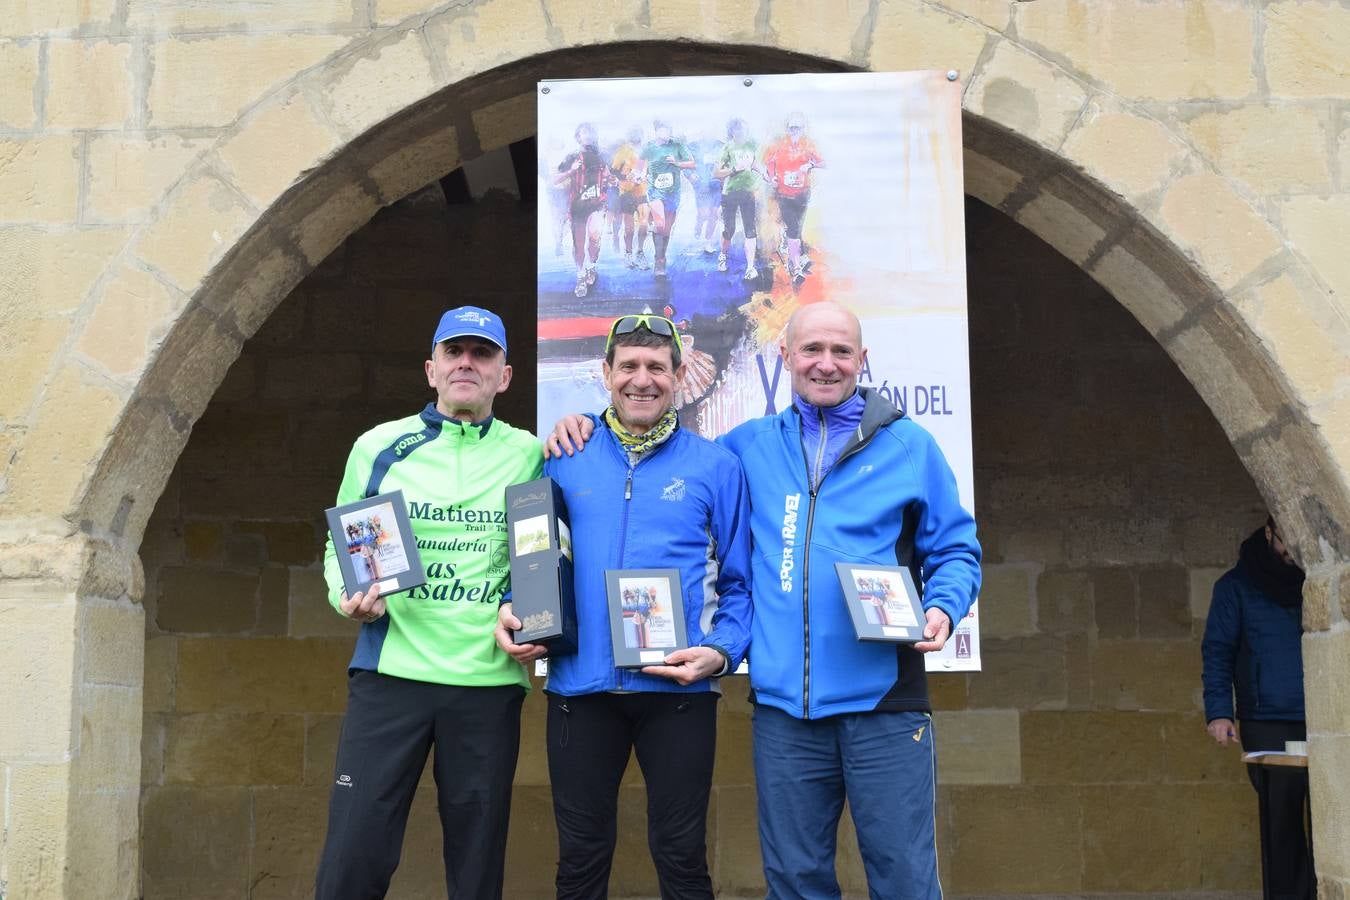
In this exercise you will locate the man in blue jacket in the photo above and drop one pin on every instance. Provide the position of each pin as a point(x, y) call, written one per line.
point(1253, 646)
point(842, 475)
point(649, 495)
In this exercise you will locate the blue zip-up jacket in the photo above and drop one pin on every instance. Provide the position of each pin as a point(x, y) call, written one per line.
point(890, 499)
point(684, 505)
point(1253, 646)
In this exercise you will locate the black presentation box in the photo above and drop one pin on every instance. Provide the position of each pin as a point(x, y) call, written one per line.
point(540, 541)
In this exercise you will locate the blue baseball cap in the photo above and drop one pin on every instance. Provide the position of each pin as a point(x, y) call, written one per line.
point(470, 321)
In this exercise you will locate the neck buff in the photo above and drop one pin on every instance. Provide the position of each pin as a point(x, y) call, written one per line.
point(1282, 583)
point(641, 443)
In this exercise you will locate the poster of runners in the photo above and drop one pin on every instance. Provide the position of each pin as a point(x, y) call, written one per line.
point(725, 203)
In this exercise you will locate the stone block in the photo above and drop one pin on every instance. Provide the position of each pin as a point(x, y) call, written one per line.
point(840, 31)
point(199, 600)
point(203, 541)
point(289, 824)
point(195, 842)
point(735, 764)
point(1224, 817)
point(1023, 92)
point(39, 666)
point(321, 743)
point(1310, 224)
point(738, 867)
point(1097, 540)
point(1303, 331)
point(128, 175)
point(89, 84)
point(1317, 603)
point(531, 844)
point(1139, 289)
point(1015, 839)
point(265, 675)
point(234, 749)
point(287, 543)
point(1091, 747)
point(40, 179)
point(473, 40)
point(947, 690)
point(1064, 602)
point(1206, 216)
point(1190, 754)
point(276, 146)
point(161, 669)
point(908, 37)
point(1223, 382)
point(363, 91)
point(1020, 673)
point(506, 121)
point(1114, 603)
point(1132, 154)
point(113, 643)
point(130, 319)
point(339, 212)
point(109, 753)
point(201, 222)
point(290, 378)
point(1140, 835)
point(19, 70)
point(25, 19)
point(1326, 663)
point(1061, 225)
point(732, 22)
point(190, 16)
point(1271, 149)
point(1202, 590)
point(71, 427)
point(274, 586)
point(978, 747)
point(37, 840)
point(1328, 763)
point(1146, 675)
point(206, 81)
point(1304, 46)
point(311, 614)
point(1206, 51)
point(104, 845)
point(32, 344)
point(408, 167)
point(987, 180)
point(1007, 606)
point(1164, 602)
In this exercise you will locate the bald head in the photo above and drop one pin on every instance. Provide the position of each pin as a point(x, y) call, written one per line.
point(823, 350)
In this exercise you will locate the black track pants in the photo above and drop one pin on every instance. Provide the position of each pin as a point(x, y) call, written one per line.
point(589, 741)
point(390, 726)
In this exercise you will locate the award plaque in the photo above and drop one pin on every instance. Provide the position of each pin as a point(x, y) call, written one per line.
point(540, 542)
point(883, 602)
point(646, 615)
point(375, 545)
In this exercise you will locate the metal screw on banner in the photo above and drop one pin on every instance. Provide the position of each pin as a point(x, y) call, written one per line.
point(748, 82)
point(543, 90)
point(952, 75)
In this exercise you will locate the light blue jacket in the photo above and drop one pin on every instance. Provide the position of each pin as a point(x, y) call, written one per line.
point(890, 499)
point(683, 506)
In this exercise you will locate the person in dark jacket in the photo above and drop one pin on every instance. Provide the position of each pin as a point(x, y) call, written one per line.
point(1253, 648)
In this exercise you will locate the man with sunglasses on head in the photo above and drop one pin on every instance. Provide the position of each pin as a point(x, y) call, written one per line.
point(649, 495)
point(427, 675)
point(843, 476)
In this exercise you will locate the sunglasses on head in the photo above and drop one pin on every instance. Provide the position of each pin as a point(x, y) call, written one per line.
point(658, 325)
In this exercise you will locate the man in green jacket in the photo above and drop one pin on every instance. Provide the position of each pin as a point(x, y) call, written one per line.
point(427, 674)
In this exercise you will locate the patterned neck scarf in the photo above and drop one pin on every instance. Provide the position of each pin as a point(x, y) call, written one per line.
point(637, 444)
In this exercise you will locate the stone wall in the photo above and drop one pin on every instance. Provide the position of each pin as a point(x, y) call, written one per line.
point(1077, 761)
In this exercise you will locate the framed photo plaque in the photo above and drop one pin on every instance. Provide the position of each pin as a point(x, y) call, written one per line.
point(646, 615)
point(883, 602)
point(375, 544)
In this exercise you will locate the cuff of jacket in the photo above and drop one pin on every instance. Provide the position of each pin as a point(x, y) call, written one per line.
point(726, 660)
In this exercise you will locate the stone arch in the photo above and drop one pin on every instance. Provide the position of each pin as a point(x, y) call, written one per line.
point(1183, 244)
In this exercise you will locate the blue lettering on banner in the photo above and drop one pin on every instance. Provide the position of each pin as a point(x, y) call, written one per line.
point(770, 387)
point(927, 399)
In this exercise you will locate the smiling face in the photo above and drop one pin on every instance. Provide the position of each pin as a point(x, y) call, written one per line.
point(467, 373)
point(823, 350)
point(641, 382)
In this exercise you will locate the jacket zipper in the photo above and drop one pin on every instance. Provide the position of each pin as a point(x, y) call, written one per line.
point(814, 490)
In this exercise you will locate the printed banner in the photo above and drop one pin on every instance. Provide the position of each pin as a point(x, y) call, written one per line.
point(725, 203)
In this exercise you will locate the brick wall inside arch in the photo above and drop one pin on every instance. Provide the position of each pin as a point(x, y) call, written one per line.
point(1076, 762)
